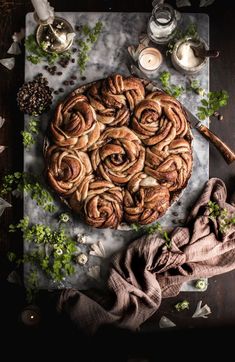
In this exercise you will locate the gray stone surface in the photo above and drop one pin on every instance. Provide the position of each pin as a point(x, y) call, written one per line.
point(110, 55)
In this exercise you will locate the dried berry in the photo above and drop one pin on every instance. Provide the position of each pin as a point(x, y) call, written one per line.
point(35, 97)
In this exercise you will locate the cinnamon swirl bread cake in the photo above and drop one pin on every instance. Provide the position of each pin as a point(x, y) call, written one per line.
point(119, 152)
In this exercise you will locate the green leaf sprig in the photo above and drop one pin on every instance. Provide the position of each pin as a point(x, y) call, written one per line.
point(37, 53)
point(23, 181)
point(190, 31)
point(222, 215)
point(211, 103)
point(196, 87)
point(52, 251)
point(171, 89)
point(29, 135)
point(151, 229)
point(88, 37)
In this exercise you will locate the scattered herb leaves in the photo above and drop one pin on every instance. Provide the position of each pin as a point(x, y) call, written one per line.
point(211, 103)
point(151, 229)
point(52, 251)
point(19, 182)
point(195, 85)
point(30, 133)
point(171, 89)
point(37, 53)
point(88, 37)
point(190, 31)
point(222, 215)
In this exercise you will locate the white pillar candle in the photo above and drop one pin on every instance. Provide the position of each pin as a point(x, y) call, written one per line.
point(43, 9)
point(149, 59)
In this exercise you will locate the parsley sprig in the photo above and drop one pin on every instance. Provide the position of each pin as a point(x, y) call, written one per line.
point(171, 89)
point(88, 37)
point(18, 182)
point(211, 103)
point(30, 133)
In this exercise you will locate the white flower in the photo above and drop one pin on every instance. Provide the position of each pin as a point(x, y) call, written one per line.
point(94, 272)
point(82, 259)
point(201, 312)
point(59, 251)
point(98, 250)
point(9, 63)
point(3, 205)
point(2, 121)
point(166, 323)
point(14, 49)
point(17, 37)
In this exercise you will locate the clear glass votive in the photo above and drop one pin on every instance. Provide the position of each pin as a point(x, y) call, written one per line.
point(149, 60)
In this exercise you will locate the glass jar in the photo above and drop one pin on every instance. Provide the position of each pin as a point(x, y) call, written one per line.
point(163, 23)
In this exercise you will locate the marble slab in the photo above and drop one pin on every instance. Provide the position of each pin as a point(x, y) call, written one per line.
point(110, 55)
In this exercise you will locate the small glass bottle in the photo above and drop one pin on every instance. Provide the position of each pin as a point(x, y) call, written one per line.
point(163, 23)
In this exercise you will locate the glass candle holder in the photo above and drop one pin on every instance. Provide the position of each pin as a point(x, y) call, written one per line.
point(149, 60)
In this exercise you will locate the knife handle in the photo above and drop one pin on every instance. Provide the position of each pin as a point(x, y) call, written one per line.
point(225, 151)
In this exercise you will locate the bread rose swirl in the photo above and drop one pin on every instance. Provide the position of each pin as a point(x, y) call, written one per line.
point(172, 110)
point(145, 200)
point(74, 124)
point(108, 115)
point(151, 124)
point(118, 91)
point(66, 169)
point(113, 99)
point(103, 205)
point(118, 156)
point(172, 166)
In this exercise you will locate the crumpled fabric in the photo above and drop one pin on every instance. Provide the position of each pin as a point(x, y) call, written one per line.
point(147, 271)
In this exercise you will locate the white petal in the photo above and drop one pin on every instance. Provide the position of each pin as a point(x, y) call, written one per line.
point(2, 121)
point(3, 205)
point(70, 36)
point(98, 250)
point(206, 2)
point(166, 323)
point(17, 37)
point(2, 148)
point(201, 312)
point(14, 49)
point(181, 3)
point(9, 63)
point(94, 272)
point(81, 239)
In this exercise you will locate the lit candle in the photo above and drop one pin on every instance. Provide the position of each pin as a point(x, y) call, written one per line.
point(30, 316)
point(43, 9)
point(149, 60)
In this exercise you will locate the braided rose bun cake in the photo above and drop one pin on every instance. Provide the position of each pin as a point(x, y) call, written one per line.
point(118, 152)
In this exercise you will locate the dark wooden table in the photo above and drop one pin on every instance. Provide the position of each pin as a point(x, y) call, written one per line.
point(219, 296)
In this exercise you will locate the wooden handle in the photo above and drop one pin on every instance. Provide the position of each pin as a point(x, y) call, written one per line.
point(225, 151)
